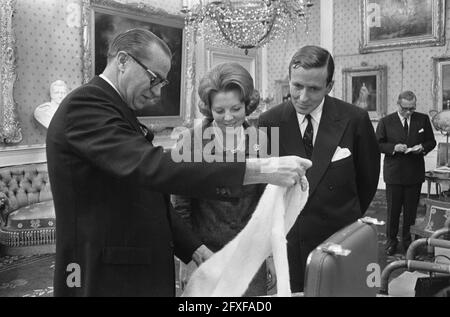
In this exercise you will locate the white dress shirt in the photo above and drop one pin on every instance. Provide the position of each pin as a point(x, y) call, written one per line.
point(402, 120)
point(110, 83)
point(316, 115)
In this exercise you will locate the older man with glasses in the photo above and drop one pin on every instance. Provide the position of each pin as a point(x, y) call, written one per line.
point(117, 232)
point(405, 137)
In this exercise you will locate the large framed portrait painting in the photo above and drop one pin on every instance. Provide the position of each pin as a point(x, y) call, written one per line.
point(105, 19)
point(366, 87)
point(394, 24)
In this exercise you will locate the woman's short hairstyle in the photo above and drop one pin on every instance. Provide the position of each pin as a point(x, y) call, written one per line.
point(227, 77)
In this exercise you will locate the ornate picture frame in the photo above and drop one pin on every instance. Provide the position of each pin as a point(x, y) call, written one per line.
point(390, 24)
point(282, 90)
point(366, 87)
point(102, 19)
point(441, 83)
point(10, 131)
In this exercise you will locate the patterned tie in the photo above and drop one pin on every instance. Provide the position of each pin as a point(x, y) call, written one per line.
point(405, 127)
point(308, 137)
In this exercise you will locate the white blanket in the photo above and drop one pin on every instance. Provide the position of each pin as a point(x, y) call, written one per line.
point(229, 271)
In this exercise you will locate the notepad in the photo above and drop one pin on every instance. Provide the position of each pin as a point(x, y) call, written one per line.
point(412, 149)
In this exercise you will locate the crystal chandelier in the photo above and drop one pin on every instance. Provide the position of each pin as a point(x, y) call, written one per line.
point(245, 24)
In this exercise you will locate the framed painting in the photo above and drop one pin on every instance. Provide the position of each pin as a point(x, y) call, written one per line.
point(395, 24)
point(366, 87)
point(282, 90)
point(103, 19)
point(10, 131)
point(441, 83)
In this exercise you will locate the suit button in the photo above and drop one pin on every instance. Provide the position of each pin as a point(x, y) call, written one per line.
point(330, 187)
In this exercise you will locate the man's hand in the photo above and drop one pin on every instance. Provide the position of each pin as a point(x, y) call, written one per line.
point(400, 148)
point(201, 254)
point(283, 171)
point(417, 149)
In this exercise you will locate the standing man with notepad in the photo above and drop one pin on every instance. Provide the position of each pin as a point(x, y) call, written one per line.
point(405, 137)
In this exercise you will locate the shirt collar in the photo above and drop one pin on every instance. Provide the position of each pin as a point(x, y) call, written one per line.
point(316, 114)
point(402, 118)
point(110, 83)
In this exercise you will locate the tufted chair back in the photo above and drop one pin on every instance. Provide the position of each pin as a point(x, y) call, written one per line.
point(25, 185)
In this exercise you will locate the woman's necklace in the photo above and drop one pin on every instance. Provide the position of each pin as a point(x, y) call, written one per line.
point(238, 133)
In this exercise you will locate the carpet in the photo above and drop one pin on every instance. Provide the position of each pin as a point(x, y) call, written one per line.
point(32, 276)
point(378, 210)
point(26, 276)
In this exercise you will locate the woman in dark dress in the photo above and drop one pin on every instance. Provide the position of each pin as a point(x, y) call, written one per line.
point(227, 96)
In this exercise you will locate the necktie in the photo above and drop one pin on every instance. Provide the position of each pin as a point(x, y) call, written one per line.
point(308, 137)
point(405, 127)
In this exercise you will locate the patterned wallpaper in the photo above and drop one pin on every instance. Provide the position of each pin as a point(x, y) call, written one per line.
point(47, 50)
point(408, 69)
point(279, 52)
point(48, 43)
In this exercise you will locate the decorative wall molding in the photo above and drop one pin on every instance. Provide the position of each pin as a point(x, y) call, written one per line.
point(27, 154)
point(10, 131)
point(326, 24)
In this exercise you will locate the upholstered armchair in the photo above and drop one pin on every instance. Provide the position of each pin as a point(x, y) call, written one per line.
point(27, 216)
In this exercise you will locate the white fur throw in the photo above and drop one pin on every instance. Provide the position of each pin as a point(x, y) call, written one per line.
point(229, 271)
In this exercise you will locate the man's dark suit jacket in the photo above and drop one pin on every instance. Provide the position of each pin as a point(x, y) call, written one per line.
point(399, 168)
point(340, 191)
point(110, 186)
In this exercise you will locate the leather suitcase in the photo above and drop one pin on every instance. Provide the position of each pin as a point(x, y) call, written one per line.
point(343, 264)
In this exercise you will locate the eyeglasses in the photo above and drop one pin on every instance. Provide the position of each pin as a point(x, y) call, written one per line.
point(405, 109)
point(155, 79)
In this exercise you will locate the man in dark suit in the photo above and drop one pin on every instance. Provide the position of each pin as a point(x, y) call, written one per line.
point(405, 137)
point(340, 141)
point(117, 233)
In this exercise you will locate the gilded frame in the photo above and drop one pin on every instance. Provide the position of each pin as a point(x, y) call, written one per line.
point(441, 80)
point(354, 78)
point(10, 131)
point(375, 15)
point(145, 14)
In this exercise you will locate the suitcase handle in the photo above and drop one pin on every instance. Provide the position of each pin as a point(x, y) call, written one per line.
point(334, 249)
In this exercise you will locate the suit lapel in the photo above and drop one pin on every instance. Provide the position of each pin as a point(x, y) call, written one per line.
point(331, 128)
point(127, 112)
point(290, 132)
point(413, 127)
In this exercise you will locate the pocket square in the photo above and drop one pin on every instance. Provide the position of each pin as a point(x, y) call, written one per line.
point(421, 130)
point(340, 154)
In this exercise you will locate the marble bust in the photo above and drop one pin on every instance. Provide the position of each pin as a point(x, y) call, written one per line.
point(44, 112)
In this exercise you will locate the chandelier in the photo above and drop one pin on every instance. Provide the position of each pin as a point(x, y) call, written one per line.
point(245, 24)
